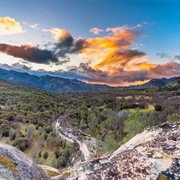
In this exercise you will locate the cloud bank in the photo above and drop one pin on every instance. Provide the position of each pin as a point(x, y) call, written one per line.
point(29, 53)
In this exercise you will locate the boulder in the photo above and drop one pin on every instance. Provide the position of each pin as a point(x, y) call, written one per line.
point(15, 165)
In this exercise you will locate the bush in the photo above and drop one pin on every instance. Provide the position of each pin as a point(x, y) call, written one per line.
point(45, 155)
point(5, 133)
point(61, 162)
point(157, 107)
point(57, 153)
point(21, 143)
point(11, 118)
point(48, 129)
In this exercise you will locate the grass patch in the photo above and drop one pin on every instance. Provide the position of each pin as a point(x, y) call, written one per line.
point(51, 173)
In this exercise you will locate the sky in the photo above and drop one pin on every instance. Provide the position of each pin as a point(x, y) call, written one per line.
point(113, 42)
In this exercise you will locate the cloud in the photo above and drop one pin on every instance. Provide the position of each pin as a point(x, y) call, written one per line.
point(177, 57)
point(121, 76)
point(96, 31)
point(120, 58)
point(65, 43)
point(16, 67)
point(58, 34)
point(137, 30)
point(34, 26)
point(168, 69)
point(9, 26)
point(29, 53)
point(90, 47)
point(20, 66)
point(118, 77)
point(163, 55)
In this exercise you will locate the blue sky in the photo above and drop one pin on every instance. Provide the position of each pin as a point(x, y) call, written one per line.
point(145, 43)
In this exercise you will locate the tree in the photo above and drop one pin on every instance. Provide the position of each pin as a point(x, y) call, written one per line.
point(110, 142)
point(57, 153)
point(157, 107)
point(54, 162)
point(12, 134)
point(30, 133)
point(133, 125)
point(11, 118)
point(45, 155)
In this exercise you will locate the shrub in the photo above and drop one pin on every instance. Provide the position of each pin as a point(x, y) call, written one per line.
point(157, 107)
point(45, 155)
point(21, 143)
point(57, 153)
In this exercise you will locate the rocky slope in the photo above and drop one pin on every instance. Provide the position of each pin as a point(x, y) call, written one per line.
point(153, 154)
point(15, 165)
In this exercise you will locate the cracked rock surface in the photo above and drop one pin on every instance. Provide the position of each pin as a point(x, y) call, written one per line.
point(15, 165)
point(153, 153)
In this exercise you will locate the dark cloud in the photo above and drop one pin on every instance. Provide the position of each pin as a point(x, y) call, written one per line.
point(177, 57)
point(78, 45)
point(163, 55)
point(68, 45)
point(16, 67)
point(62, 47)
point(63, 61)
point(29, 53)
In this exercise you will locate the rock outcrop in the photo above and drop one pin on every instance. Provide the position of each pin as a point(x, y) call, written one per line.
point(15, 165)
point(151, 155)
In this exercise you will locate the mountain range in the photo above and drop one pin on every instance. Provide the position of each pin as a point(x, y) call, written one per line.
point(58, 84)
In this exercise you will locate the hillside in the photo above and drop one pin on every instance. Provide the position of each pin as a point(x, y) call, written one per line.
point(157, 83)
point(59, 85)
point(173, 85)
point(49, 83)
point(27, 121)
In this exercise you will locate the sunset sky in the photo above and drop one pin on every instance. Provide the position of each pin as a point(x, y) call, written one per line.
point(114, 42)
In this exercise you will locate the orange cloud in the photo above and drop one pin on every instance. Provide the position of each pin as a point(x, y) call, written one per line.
point(58, 34)
point(9, 26)
point(99, 49)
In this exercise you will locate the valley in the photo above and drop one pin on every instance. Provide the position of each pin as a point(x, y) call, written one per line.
point(60, 130)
